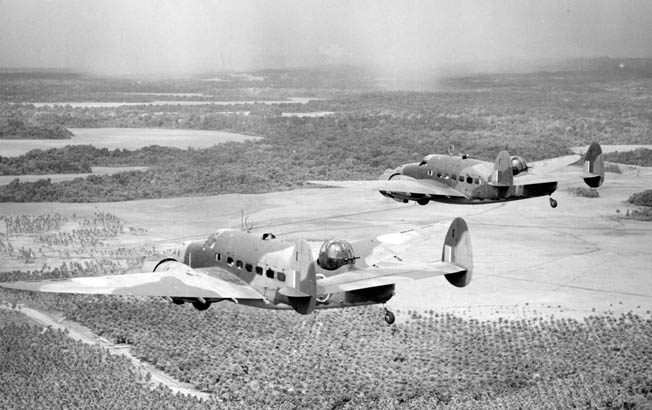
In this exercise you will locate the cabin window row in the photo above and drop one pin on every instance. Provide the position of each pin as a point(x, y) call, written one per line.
point(269, 272)
point(461, 178)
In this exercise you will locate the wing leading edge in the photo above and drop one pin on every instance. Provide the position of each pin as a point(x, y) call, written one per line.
point(179, 281)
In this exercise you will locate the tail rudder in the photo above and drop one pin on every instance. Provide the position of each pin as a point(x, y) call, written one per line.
point(502, 175)
point(302, 281)
point(457, 250)
point(594, 164)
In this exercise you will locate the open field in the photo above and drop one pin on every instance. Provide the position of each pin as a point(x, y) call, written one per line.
point(126, 138)
point(530, 259)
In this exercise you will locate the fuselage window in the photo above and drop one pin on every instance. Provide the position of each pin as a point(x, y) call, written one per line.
point(461, 178)
point(430, 172)
point(259, 270)
point(269, 273)
point(478, 181)
point(218, 257)
point(438, 174)
point(280, 276)
point(238, 264)
point(248, 267)
point(469, 180)
point(229, 261)
point(446, 176)
point(453, 176)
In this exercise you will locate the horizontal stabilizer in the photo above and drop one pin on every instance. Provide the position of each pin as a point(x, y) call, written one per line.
point(292, 292)
point(398, 257)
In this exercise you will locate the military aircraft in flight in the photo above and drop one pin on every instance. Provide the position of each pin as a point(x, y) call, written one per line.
point(266, 272)
point(464, 180)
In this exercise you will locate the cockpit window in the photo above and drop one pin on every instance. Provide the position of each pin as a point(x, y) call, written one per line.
point(269, 273)
point(469, 180)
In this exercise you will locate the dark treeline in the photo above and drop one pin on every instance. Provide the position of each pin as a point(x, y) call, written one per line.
point(641, 198)
point(13, 128)
point(294, 150)
point(641, 157)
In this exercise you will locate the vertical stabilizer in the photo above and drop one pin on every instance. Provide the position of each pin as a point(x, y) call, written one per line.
point(303, 279)
point(457, 250)
point(594, 164)
point(502, 175)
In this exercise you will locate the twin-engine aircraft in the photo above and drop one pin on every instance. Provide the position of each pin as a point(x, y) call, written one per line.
point(464, 180)
point(265, 272)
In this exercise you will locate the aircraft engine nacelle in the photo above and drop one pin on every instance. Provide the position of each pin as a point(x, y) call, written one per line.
point(335, 253)
point(518, 164)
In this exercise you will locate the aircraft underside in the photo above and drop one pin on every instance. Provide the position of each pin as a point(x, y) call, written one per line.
point(496, 194)
point(361, 297)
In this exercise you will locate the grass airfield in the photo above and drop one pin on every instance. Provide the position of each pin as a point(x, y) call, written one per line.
point(580, 259)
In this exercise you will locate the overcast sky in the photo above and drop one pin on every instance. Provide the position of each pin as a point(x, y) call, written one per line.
point(171, 36)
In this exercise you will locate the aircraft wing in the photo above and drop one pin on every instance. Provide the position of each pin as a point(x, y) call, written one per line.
point(406, 184)
point(408, 255)
point(177, 281)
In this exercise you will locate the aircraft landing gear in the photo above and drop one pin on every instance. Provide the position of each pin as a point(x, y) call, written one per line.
point(553, 203)
point(423, 201)
point(201, 304)
point(389, 317)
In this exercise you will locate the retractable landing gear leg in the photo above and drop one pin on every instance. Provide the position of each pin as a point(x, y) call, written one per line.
point(553, 202)
point(389, 317)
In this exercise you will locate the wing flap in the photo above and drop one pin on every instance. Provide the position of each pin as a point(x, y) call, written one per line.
point(183, 282)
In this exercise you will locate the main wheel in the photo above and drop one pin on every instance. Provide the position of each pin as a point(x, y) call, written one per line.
point(201, 306)
point(389, 317)
point(423, 201)
point(553, 203)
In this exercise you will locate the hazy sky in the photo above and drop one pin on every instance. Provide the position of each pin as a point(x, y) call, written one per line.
point(171, 36)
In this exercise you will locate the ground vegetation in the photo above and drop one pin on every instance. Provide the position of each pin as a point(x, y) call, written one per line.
point(536, 116)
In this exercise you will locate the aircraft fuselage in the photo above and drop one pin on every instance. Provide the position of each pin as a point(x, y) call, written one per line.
point(469, 176)
point(264, 265)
